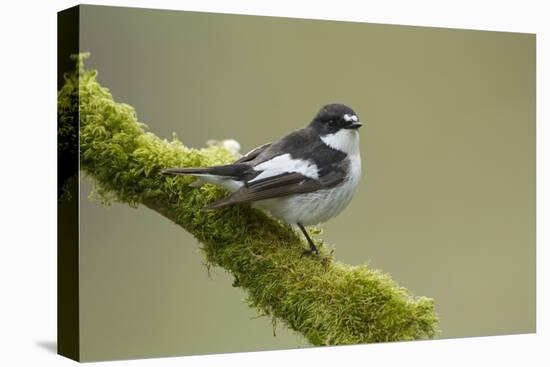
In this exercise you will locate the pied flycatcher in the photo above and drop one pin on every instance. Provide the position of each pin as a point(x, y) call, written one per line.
point(304, 178)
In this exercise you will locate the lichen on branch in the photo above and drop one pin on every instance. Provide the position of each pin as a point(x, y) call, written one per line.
point(328, 302)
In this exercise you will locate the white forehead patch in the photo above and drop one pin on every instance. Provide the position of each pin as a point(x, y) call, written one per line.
point(349, 118)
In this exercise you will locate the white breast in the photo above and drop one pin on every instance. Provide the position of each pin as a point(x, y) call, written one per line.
point(318, 206)
point(345, 140)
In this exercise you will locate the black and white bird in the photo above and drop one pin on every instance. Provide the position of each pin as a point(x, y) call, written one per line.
point(304, 178)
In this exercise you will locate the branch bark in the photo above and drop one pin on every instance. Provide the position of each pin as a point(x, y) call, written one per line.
point(328, 302)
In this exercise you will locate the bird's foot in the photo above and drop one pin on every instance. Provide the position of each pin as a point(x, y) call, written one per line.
point(313, 250)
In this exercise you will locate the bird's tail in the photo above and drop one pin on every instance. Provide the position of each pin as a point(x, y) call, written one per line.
point(185, 171)
point(230, 170)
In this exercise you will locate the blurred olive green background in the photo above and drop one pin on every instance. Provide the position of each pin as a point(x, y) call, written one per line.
point(447, 200)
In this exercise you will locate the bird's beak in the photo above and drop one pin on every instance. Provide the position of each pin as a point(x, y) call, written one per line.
point(353, 126)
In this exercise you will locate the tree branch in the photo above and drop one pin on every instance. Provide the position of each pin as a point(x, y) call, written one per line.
point(326, 301)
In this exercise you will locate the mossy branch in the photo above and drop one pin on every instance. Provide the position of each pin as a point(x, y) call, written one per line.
point(328, 302)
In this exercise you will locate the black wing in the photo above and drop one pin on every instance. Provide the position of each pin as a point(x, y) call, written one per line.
point(252, 154)
point(304, 146)
point(277, 186)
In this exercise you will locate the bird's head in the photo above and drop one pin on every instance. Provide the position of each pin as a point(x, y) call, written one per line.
point(334, 117)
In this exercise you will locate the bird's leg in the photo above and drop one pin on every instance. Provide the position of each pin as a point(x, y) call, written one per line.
point(312, 247)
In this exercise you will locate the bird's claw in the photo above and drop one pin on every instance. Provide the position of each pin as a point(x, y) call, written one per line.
point(311, 252)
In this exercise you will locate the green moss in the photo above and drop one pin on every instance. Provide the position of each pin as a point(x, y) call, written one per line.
point(328, 302)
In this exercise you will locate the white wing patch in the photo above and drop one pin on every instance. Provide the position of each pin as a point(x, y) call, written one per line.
point(285, 164)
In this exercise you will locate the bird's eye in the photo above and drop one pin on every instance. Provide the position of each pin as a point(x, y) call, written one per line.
point(331, 123)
